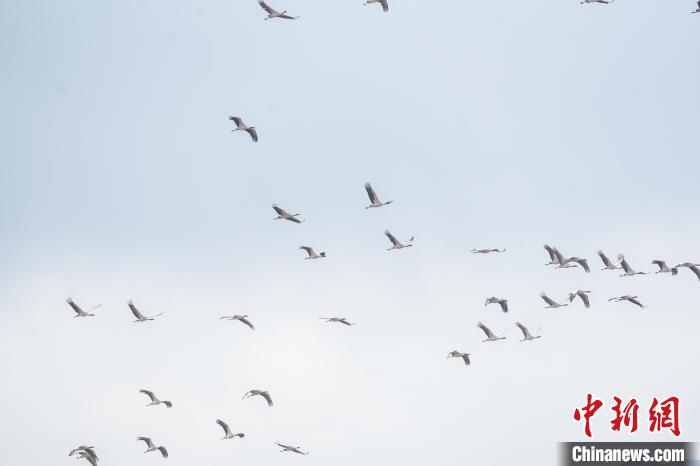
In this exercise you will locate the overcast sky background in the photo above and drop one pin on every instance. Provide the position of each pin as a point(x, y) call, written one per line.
point(492, 124)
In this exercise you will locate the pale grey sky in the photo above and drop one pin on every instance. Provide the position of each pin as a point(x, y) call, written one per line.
point(491, 124)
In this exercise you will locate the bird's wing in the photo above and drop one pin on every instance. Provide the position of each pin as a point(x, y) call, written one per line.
point(148, 441)
point(149, 393)
point(267, 7)
point(559, 258)
point(280, 211)
point(550, 251)
point(236, 120)
point(75, 307)
point(584, 298)
point(604, 258)
point(392, 238)
point(247, 322)
point(309, 250)
point(372, 195)
point(294, 219)
point(267, 397)
point(625, 266)
point(344, 321)
point(223, 426)
point(253, 134)
point(486, 330)
point(547, 299)
point(135, 311)
point(167, 403)
point(385, 5)
point(695, 270)
point(288, 17)
point(163, 452)
point(634, 301)
point(584, 264)
point(504, 305)
point(659, 263)
point(465, 358)
point(522, 329)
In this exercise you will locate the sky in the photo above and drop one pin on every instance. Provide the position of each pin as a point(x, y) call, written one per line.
point(490, 124)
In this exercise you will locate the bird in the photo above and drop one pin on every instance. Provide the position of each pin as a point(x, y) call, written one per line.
point(312, 254)
point(396, 243)
point(240, 126)
point(502, 302)
point(698, 10)
point(227, 431)
point(283, 214)
point(607, 262)
point(152, 447)
point(154, 399)
point(384, 3)
point(261, 393)
point(551, 303)
point(90, 451)
point(583, 294)
point(78, 311)
point(140, 317)
point(272, 13)
point(374, 199)
point(632, 299)
point(582, 262)
point(663, 268)
point(693, 267)
point(85, 455)
point(486, 251)
point(243, 319)
point(598, 1)
point(629, 272)
point(490, 336)
point(457, 354)
point(527, 336)
point(292, 449)
point(341, 320)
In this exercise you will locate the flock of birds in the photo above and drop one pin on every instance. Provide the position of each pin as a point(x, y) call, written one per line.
point(556, 259)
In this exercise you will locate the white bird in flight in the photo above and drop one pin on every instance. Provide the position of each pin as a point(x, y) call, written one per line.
point(240, 318)
point(272, 13)
point(396, 243)
point(341, 320)
point(693, 268)
point(152, 447)
point(286, 448)
point(384, 3)
point(457, 354)
point(490, 336)
point(154, 399)
point(502, 302)
point(311, 253)
point(583, 294)
point(78, 311)
point(527, 336)
point(240, 126)
point(374, 199)
point(284, 215)
point(663, 268)
point(551, 303)
point(90, 451)
point(631, 299)
point(583, 263)
point(698, 10)
point(486, 251)
point(598, 1)
point(227, 432)
point(261, 393)
point(140, 317)
point(607, 262)
point(629, 272)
